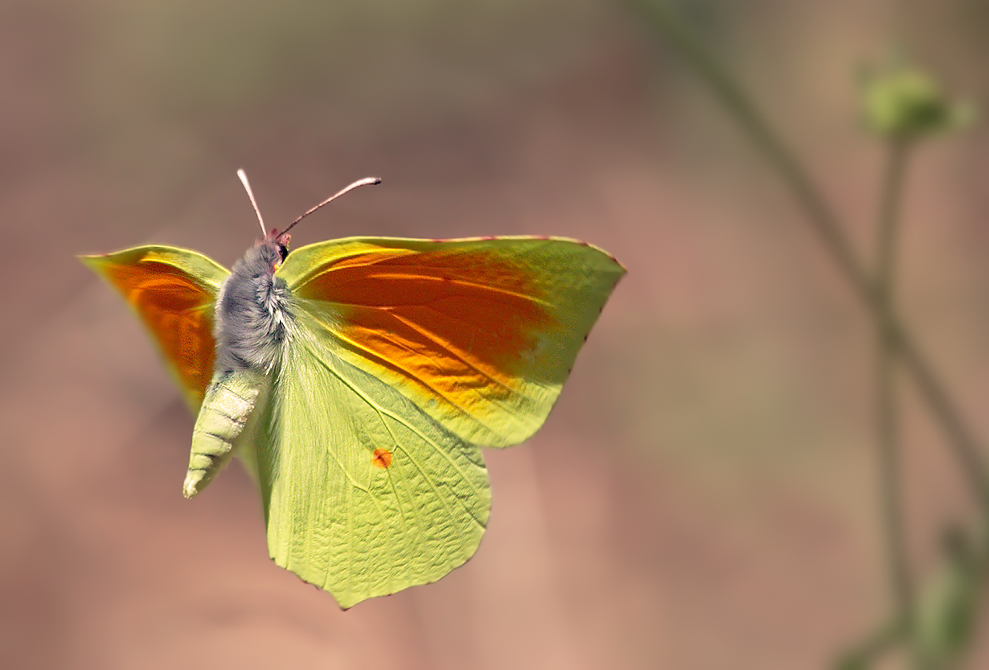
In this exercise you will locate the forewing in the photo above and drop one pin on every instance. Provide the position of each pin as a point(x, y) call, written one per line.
point(479, 333)
point(172, 290)
point(363, 493)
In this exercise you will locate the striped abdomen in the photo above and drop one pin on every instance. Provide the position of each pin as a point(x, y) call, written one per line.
point(230, 399)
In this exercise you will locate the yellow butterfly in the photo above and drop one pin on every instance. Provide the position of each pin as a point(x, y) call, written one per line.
point(358, 378)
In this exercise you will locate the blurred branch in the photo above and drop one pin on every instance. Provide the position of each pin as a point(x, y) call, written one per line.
point(887, 406)
point(832, 234)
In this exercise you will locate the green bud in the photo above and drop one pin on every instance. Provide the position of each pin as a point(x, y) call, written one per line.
point(906, 103)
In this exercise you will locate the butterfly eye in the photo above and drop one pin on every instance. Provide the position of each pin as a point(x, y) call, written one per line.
point(283, 252)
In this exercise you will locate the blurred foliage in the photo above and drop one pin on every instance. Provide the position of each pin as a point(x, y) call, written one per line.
point(901, 104)
point(949, 606)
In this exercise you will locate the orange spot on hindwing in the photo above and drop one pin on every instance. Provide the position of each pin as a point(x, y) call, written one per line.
point(381, 458)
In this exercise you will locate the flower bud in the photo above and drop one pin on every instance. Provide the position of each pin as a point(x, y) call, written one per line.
point(906, 103)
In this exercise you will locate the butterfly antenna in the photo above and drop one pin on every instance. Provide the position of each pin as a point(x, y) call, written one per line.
point(250, 194)
point(367, 181)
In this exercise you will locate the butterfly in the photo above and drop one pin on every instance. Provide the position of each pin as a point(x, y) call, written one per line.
point(356, 379)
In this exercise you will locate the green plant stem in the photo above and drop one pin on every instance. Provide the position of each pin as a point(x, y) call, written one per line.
point(831, 232)
point(887, 405)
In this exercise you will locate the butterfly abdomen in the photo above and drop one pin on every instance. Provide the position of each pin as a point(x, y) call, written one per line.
point(252, 320)
point(230, 399)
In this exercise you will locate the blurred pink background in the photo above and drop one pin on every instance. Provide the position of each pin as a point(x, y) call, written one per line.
point(704, 494)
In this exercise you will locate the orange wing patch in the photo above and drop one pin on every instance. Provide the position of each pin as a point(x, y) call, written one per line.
point(455, 323)
point(178, 312)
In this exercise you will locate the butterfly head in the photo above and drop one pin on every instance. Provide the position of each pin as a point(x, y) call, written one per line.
point(276, 246)
point(282, 241)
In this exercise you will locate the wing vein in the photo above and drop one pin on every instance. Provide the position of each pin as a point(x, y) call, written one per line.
point(374, 357)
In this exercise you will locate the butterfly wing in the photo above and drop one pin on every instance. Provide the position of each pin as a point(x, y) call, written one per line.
point(172, 291)
point(363, 493)
point(404, 355)
point(478, 333)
